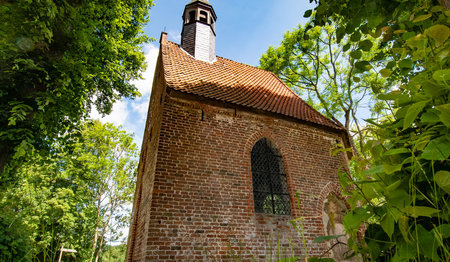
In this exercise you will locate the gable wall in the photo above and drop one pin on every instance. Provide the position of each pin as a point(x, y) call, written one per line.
point(202, 197)
point(138, 233)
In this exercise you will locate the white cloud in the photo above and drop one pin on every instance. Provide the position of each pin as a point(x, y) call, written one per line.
point(118, 115)
point(131, 114)
point(145, 85)
point(141, 107)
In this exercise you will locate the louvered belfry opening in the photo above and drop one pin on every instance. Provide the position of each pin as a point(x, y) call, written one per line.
point(270, 188)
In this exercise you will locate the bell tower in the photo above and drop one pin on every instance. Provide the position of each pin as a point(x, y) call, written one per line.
point(198, 37)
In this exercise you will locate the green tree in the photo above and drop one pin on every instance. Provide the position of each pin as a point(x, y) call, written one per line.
point(60, 58)
point(114, 253)
point(109, 156)
point(328, 74)
point(71, 198)
point(403, 199)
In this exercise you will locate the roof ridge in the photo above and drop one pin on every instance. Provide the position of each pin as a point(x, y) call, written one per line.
point(292, 91)
point(260, 69)
point(245, 64)
point(258, 88)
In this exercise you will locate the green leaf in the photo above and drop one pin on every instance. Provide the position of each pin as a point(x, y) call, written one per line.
point(365, 45)
point(420, 211)
point(326, 238)
point(355, 36)
point(373, 170)
point(354, 219)
point(438, 8)
point(406, 63)
point(390, 169)
point(385, 72)
point(405, 251)
point(346, 47)
point(443, 230)
point(412, 113)
point(372, 189)
point(442, 75)
point(437, 149)
point(363, 65)
point(308, 13)
point(394, 186)
point(398, 51)
point(408, 35)
point(431, 88)
point(388, 224)
point(430, 117)
point(439, 33)
point(445, 114)
point(356, 54)
point(391, 96)
point(428, 244)
point(399, 199)
point(418, 41)
point(443, 180)
point(397, 151)
point(340, 33)
point(421, 18)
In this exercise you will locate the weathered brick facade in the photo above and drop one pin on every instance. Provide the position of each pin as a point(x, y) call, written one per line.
point(194, 195)
point(202, 202)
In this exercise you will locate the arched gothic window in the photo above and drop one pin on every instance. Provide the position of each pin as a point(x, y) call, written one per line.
point(270, 188)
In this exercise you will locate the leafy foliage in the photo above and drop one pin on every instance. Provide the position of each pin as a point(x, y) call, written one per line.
point(403, 198)
point(59, 58)
point(329, 74)
point(60, 199)
point(114, 253)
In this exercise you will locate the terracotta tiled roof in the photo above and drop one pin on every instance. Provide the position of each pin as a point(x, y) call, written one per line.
point(236, 83)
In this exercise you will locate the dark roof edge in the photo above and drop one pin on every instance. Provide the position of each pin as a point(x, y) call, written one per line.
point(223, 103)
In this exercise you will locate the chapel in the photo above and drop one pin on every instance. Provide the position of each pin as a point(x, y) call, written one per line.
point(230, 156)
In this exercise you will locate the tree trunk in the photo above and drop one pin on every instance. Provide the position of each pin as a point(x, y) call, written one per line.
point(350, 138)
point(4, 152)
point(445, 3)
point(102, 236)
point(94, 244)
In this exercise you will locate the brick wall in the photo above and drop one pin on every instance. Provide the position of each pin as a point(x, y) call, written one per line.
point(202, 197)
point(138, 233)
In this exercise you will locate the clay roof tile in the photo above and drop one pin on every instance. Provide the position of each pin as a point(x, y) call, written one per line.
point(236, 83)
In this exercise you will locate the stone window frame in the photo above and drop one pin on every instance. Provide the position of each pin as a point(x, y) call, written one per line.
point(271, 192)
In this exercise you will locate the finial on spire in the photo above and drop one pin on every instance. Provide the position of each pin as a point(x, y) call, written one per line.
point(203, 1)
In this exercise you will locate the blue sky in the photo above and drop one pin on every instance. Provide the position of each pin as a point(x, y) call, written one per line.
point(244, 28)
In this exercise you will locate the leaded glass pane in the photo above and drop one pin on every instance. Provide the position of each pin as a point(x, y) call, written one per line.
point(270, 189)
